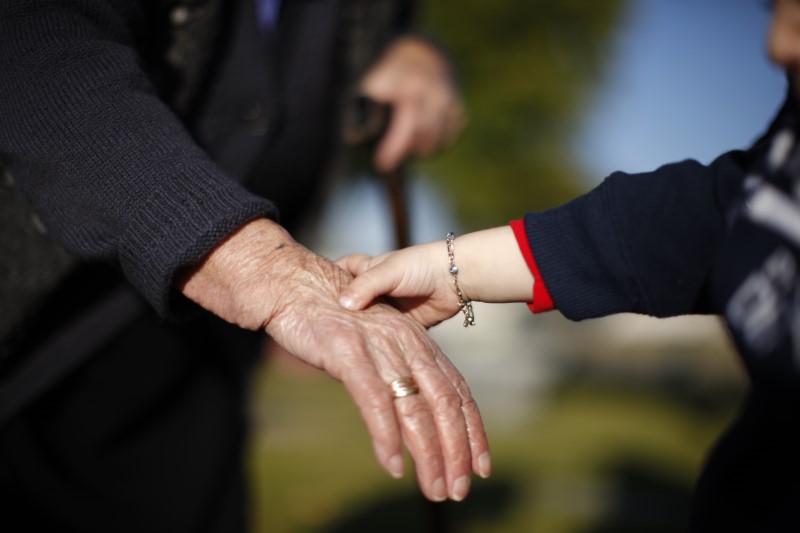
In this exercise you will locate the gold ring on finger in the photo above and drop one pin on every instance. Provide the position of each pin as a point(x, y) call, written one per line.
point(402, 387)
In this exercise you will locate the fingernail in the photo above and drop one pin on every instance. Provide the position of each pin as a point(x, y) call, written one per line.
point(439, 490)
point(484, 465)
point(396, 466)
point(347, 302)
point(461, 488)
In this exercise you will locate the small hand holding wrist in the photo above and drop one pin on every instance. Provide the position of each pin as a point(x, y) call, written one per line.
point(418, 282)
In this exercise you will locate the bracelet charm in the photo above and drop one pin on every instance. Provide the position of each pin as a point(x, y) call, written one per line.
point(463, 304)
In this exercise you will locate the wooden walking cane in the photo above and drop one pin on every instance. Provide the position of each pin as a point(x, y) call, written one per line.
point(366, 127)
point(371, 119)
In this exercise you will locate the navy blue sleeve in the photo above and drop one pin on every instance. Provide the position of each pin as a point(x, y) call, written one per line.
point(104, 163)
point(639, 243)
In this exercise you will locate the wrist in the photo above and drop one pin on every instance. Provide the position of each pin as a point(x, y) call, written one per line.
point(491, 267)
point(464, 303)
point(240, 279)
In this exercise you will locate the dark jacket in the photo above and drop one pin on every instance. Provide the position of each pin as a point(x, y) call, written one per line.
point(139, 134)
point(723, 239)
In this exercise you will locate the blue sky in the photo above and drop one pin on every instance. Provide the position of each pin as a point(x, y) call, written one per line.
point(688, 78)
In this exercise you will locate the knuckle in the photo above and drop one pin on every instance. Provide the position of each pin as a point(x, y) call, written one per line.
point(447, 403)
point(464, 392)
point(416, 409)
point(469, 403)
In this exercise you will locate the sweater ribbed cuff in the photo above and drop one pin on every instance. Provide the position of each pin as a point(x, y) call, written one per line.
point(179, 225)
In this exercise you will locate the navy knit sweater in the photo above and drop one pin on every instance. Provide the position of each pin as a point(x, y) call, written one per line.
point(108, 167)
point(724, 239)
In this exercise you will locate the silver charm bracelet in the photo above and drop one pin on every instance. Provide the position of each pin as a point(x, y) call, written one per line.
point(463, 304)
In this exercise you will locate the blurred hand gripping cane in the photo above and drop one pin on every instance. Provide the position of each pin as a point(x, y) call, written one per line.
point(367, 123)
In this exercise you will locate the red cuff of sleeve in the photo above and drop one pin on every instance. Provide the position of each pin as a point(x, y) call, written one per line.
point(542, 301)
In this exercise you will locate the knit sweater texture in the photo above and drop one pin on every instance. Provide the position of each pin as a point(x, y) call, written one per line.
point(109, 168)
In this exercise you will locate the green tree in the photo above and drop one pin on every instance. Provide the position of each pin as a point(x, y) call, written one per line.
point(526, 68)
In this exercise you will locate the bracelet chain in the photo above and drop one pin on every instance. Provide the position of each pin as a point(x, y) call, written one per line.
point(463, 303)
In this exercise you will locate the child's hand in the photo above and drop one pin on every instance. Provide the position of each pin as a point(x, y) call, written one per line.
point(415, 280)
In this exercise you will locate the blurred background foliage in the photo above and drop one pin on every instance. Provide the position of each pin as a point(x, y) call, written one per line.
point(526, 70)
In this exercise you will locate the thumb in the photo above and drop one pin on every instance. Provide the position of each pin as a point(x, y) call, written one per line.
point(398, 141)
point(368, 286)
point(354, 264)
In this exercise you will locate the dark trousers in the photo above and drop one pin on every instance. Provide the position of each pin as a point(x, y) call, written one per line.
point(752, 479)
point(145, 436)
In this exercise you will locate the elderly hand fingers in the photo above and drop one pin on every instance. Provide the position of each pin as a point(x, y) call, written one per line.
point(444, 407)
point(422, 440)
point(478, 441)
point(371, 396)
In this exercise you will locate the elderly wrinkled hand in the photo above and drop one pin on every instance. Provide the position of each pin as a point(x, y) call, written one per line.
point(415, 79)
point(261, 278)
